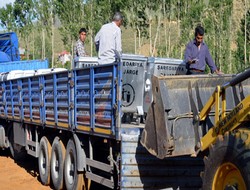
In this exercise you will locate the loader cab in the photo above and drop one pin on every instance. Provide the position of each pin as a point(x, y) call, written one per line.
point(9, 46)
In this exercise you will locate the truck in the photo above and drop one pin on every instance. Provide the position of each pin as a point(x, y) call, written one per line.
point(9, 47)
point(10, 58)
point(139, 123)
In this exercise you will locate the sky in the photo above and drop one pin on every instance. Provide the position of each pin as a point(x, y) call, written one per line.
point(4, 2)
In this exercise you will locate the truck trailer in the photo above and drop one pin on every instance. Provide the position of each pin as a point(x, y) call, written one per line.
point(84, 125)
point(139, 123)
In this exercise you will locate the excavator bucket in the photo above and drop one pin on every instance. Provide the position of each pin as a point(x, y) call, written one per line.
point(172, 127)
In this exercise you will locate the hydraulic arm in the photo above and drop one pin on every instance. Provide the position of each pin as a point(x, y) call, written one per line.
point(224, 121)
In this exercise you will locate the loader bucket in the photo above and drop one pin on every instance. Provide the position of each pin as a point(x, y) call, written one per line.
point(169, 130)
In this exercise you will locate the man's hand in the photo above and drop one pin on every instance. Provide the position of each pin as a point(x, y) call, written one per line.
point(97, 46)
point(193, 61)
point(218, 72)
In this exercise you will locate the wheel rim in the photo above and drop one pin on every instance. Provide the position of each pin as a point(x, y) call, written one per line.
point(42, 162)
point(70, 168)
point(228, 177)
point(55, 164)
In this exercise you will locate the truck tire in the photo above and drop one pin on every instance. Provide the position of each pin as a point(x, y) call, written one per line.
point(228, 163)
point(57, 163)
point(73, 179)
point(44, 160)
point(17, 152)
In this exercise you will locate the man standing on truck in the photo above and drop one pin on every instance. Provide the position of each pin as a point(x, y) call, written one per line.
point(108, 40)
point(79, 49)
point(197, 55)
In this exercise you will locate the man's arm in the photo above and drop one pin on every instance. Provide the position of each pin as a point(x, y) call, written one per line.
point(188, 55)
point(118, 43)
point(210, 62)
point(97, 41)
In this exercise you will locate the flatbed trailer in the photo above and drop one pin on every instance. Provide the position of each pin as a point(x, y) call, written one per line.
point(72, 122)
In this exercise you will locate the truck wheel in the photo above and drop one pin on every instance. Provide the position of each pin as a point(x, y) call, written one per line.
point(57, 163)
point(44, 161)
point(73, 179)
point(17, 152)
point(228, 163)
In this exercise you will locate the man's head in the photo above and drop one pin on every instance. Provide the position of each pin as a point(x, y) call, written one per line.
point(118, 18)
point(199, 33)
point(82, 34)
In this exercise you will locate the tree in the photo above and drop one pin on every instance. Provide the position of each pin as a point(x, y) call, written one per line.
point(24, 16)
point(42, 8)
point(243, 44)
point(7, 19)
point(72, 17)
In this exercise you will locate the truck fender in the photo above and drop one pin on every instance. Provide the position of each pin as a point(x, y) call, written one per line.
point(3, 141)
point(81, 156)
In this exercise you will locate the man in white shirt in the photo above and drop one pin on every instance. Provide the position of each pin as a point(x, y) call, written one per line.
point(108, 40)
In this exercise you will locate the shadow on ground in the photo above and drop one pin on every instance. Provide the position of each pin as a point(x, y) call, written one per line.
point(30, 164)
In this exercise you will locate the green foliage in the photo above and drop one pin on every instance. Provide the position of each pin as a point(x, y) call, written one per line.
point(7, 18)
point(240, 52)
point(67, 65)
point(177, 22)
point(72, 18)
point(190, 21)
point(23, 12)
point(43, 11)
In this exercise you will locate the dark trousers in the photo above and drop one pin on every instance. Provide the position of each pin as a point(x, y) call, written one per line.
point(195, 72)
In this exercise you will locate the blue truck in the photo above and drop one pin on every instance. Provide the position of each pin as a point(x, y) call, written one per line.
point(9, 47)
point(10, 56)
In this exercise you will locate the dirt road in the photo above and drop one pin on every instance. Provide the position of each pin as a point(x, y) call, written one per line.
point(19, 176)
point(24, 175)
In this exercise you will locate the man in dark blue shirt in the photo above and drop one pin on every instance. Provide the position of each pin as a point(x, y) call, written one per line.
point(197, 55)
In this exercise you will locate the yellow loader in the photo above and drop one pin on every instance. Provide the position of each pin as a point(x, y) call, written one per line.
point(204, 116)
